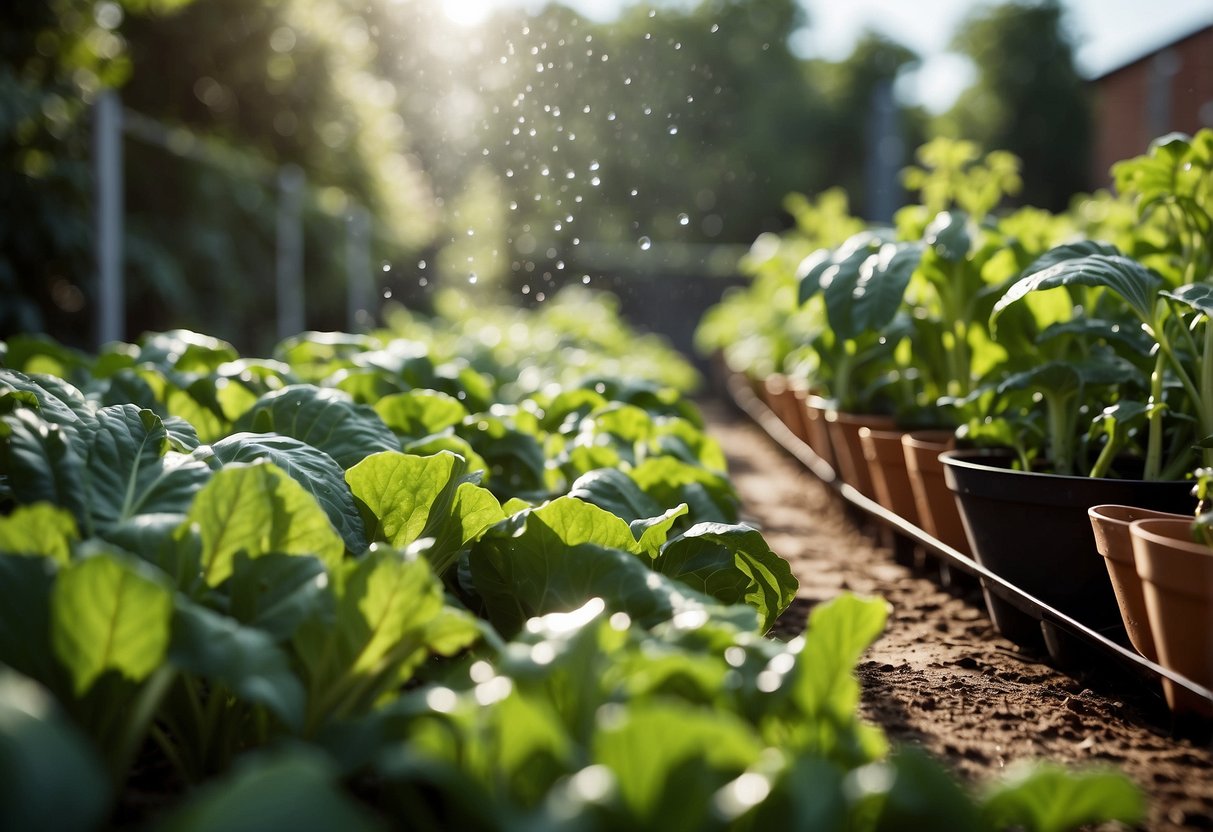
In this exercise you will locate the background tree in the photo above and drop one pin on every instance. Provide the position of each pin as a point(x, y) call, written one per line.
point(1028, 98)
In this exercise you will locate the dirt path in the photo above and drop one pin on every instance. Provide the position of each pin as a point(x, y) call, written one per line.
point(940, 676)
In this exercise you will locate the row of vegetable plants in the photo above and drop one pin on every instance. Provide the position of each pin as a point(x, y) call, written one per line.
point(1069, 356)
point(479, 571)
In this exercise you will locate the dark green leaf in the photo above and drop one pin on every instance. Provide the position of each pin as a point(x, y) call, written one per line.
point(50, 777)
point(1198, 296)
point(243, 659)
point(615, 491)
point(949, 235)
point(1133, 282)
point(277, 593)
point(41, 463)
point(323, 418)
point(883, 278)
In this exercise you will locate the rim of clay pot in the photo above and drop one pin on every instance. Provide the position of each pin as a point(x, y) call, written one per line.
point(869, 420)
point(928, 440)
point(1125, 515)
point(1174, 533)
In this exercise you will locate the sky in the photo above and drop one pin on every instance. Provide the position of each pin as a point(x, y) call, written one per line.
point(1108, 33)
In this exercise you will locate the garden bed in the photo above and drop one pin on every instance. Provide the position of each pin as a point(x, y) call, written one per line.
point(941, 676)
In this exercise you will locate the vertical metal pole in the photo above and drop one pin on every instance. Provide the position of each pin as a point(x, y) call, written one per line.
point(108, 207)
point(358, 269)
point(289, 259)
point(884, 154)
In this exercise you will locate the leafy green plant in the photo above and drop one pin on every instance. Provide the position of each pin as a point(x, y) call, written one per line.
point(1172, 307)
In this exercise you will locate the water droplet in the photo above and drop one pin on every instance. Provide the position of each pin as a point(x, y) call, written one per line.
point(634, 192)
point(673, 130)
point(683, 219)
point(541, 297)
point(513, 205)
point(526, 289)
point(421, 264)
point(559, 265)
point(570, 175)
point(645, 244)
point(471, 232)
point(690, 99)
point(472, 278)
point(586, 109)
point(648, 111)
point(715, 28)
point(576, 241)
point(423, 282)
point(387, 293)
point(387, 267)
point(610, 116)
point(595, 181)
point(585, 279)
point(557, 226)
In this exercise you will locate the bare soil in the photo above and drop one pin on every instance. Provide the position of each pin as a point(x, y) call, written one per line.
point(941, 676)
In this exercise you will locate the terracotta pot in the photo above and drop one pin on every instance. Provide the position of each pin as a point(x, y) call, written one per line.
point(937, 512)
point(1177, 579)
point(1110, 523)
point(782, 401)
point(817, 429)
point(848, 451)
point(1032, 530)
point(887, 469)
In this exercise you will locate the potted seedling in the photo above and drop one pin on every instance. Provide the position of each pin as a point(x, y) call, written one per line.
point(1131, 443)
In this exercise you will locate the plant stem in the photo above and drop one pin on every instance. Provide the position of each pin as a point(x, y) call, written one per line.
point(1205, 403)
point(136, 725)
point(1154, 436)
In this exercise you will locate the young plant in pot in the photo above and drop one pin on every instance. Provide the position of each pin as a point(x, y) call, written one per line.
point(1157, 397)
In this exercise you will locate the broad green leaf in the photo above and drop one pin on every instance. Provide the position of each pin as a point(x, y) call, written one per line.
point(420, 413)
point(653, 532)
point(129, 470)
point(668, 760)
point(557, 557)
point(277, 593)
point(881, 288)
point(386, 606)
point(615, 491)
point(1133, 282)
point(808, 274)
point(1049, 798)
point(294, 789)
point(50, 777)
point(323, 418)
point(245, 660)
point(669, 482)
point(515, 460)
point(58, 402)
point(949, 235)
point(163, 541)
point(1198, 296)
point(260, 510)
point(38, 529)
point(25, 618)
point(405, 498)
point(42, 463)
point(909, 790)
point(185, 351)
point(399, 492)
point(838, 632)
point(106, 614)
point(732, 564)
point(431, 445)
point(313, 469)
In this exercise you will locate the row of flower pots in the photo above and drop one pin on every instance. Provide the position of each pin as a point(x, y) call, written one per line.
point(1035, 531)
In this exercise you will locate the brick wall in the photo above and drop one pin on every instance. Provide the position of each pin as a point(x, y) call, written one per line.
point(1168, 90)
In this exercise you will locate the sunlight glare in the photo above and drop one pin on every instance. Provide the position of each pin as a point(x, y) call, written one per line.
point(467, 12)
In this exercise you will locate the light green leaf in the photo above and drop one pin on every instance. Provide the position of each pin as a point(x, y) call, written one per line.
point(669, 759)
point(387, 604)
point(420, 413)
point(108, 614)
point(1049, 798)
point(259, 510)
point(653, 532)
point(405, 498)
point(838, 632)
point(1132, 281)
point(313, 469)
point(39, 529)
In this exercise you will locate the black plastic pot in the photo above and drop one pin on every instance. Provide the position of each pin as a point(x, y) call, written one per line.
point(1032, 530)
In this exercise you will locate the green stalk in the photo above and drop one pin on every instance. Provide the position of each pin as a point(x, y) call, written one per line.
point(140, 716)
point(1061, 446)
point(1205, 370)
point(1154, 437)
